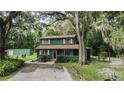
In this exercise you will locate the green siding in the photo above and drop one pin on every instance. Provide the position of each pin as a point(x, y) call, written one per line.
point(20, 52)
point(56, 41)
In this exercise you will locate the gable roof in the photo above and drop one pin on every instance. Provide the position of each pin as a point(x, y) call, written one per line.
point(54, 37)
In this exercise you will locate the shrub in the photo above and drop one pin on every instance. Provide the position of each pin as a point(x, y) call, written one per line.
point(23, 56)
point(10, 65)
point(44, 58)
point(61, 59)
point(66, 59)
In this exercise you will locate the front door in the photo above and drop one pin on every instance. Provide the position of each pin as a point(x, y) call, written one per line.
point(54, 54)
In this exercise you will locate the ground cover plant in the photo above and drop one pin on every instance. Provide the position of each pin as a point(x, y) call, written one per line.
point(10, 65)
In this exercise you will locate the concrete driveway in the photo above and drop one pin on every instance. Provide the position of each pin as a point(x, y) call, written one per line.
point(36, 72)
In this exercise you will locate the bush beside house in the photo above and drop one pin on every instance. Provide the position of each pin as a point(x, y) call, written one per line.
point(44, 58)
point(64, 59)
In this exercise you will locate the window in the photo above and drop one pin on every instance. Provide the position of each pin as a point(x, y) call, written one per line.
point(60, 52)
point(44, 52)
point(75, 52)
point(45, 42)
point(68, 41)
point(68, 52)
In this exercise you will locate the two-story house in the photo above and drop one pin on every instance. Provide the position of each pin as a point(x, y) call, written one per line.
point(58, 45)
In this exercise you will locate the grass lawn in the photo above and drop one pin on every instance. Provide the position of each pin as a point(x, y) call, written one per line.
point(89, 72)
point(28, 58)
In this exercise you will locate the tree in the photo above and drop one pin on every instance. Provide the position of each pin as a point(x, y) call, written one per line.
point(83, 24)
point(19, 21)
point(60, 28)
point(110, 24)
point(6, 19)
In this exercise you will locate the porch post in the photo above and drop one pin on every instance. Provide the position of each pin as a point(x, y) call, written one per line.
point(56, 54)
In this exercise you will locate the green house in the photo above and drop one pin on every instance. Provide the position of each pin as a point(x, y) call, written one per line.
point(58, 45)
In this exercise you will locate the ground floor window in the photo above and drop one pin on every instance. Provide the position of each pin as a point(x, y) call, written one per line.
point(44, 52)
point(60, 52)
point(68, 52)
point(75, 52)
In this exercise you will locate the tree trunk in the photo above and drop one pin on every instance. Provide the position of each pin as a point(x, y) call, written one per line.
point(82, 54)
point(84, 51)
point(2, 40)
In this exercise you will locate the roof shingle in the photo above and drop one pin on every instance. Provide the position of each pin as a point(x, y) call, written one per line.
point(58, 47)
point(53, 37)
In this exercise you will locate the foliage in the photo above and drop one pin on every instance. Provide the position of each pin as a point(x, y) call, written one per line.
point(44, 58)
point(10, 65)
point(23, 56)
point(27, 58)
point(64, 59)
point(27, 27)
point(4, 78)
point(111, 26)
point(60, 28)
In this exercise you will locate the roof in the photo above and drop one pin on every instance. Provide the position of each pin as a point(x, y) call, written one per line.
point(58, 47)
point(53, 37)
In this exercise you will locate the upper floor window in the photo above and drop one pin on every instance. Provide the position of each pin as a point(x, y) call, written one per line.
point(45, 42)
point(68, 41)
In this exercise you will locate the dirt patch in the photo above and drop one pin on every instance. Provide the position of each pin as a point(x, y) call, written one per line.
point(116, 63)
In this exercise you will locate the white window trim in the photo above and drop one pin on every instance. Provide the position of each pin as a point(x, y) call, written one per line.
point(49, 41)
point(63, 41)
point(71, 41)
point(42, 41)
point(40, 52)
point(48, 52)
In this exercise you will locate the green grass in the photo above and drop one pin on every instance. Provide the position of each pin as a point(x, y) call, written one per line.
point(89, 72)
point(28, 58)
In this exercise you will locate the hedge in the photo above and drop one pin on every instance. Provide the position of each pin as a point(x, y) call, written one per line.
point(44, 58)
point(62, 59)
